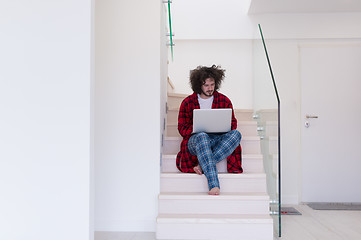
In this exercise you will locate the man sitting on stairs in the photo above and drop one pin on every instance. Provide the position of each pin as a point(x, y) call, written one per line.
point(201, 151)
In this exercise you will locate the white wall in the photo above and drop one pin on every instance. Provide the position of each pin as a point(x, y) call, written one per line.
point(45, 105)
point(127, 136)
point(264, 95)
point(216, 19)
point(309, 26)
point(211, 19)
point(235, 56)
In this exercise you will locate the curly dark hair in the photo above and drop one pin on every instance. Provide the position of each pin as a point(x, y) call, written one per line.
point(199, 75)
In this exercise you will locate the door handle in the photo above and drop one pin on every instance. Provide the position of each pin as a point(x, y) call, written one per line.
point(311, 116)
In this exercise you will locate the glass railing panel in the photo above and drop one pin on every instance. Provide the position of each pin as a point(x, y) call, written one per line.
point(169, 30)
point(266, 113)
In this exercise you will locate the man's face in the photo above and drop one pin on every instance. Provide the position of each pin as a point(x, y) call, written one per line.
point(208, 88)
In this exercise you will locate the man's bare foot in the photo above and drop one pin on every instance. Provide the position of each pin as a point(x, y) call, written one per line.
point(214, 191)
point(198, 169)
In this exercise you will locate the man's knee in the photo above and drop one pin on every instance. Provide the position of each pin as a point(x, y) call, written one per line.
point(236, 134)
point(201, 137)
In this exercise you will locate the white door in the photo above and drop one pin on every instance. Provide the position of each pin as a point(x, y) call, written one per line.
point(331, 143)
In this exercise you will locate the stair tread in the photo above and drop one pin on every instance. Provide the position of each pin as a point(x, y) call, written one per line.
point(170, 94)
point(220, 175)
point(214, 218)
point(269, 122)
point(243, 156)
point(237, 110)
point(222, 196)
point(239, 123)
point(243, 138)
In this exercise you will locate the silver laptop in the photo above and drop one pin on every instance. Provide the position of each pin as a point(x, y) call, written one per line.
point(212, 120)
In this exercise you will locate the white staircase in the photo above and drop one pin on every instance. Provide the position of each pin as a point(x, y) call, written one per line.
point(241, 211)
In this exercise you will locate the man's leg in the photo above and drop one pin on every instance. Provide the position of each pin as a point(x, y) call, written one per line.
point(200, 145)
point(226, 144)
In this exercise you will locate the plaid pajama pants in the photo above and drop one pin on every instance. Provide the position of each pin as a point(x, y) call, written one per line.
point(211, 149)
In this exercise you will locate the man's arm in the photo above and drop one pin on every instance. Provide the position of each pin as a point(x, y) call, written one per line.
point(234, 120)
point(224, 102)
point(185, 120)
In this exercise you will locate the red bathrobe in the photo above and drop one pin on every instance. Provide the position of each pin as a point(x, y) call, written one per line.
point(185, 160)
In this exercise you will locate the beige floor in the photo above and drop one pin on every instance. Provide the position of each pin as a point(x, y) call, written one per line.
point(321, 225)
point(124, 236)
point(312, 225)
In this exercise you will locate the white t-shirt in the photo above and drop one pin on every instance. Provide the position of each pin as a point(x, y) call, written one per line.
point(205, 103)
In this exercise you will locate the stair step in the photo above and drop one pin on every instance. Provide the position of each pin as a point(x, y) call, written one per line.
point(247, 128)
point(244, 114)
point(268, 128)
point(251, 163)
point(274, 159)
point(214, 218)
point(250, 145)
point(229, 183)
point(202, 203)
point(214, 226)
point(267, 115)
point(175, 99)
point(271, 163)
point(269, 145)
